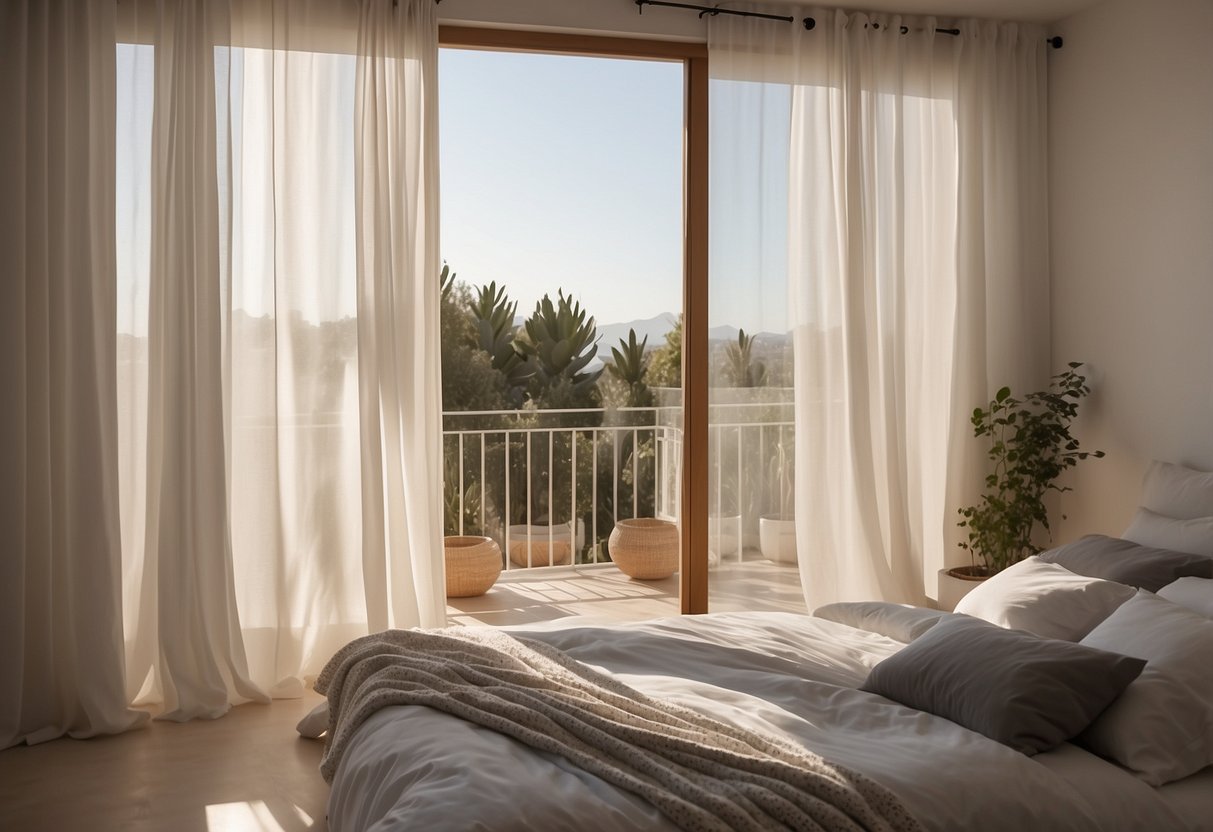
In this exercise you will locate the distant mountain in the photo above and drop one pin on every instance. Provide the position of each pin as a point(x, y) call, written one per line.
point(729, 333)
point(655, 328)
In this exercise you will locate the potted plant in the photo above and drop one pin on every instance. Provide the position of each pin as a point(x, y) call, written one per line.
point(777, 530)
point(740, 368)
point(1030, 446)
point(724, 520)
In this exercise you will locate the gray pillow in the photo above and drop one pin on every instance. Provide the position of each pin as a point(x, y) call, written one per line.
point(896, 621)
point(1126, 562)
point(1026, 692)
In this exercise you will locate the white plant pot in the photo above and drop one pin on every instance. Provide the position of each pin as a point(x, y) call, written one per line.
point(537, 545)
point(952, 589)
point(777, 538)
point(724, 537)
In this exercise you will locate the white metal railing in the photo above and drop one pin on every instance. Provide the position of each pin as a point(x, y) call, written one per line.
point(549, 485)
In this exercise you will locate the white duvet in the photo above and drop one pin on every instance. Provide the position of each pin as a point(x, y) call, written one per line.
point(790, 675)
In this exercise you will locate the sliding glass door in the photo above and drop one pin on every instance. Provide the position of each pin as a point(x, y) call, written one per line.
point(564, 236)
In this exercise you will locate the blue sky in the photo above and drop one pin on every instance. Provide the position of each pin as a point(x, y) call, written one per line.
point(134, 138)
point(564, 172)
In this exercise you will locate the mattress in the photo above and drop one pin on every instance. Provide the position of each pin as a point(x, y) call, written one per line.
point(790, 675)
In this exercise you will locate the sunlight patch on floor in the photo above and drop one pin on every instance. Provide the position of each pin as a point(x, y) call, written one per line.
point(251, 816)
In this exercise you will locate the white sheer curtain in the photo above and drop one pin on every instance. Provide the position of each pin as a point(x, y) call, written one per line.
point(396, 187)
point(60, 596)
point(279, 418)
point(916, 273)
point(188, 626)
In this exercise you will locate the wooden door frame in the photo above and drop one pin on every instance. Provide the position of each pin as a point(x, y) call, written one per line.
point(693, 575)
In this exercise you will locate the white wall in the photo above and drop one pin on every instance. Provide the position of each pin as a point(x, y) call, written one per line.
point(1131, 201)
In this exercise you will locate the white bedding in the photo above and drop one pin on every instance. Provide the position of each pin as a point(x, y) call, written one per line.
point(791, 675)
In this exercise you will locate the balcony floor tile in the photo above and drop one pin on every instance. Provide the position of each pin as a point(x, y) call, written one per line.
point(602, 594)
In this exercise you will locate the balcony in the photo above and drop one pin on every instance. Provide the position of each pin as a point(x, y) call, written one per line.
point(549, 485)
point(603, 594)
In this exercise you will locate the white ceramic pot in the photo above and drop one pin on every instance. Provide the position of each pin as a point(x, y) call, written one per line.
point(538, 545)
point(952, 588)
point(777, 538)
point(724, 537)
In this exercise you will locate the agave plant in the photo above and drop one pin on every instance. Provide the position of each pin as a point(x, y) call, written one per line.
point(781, 480)
point(562, 342)
point(741, 369)
point(630, 367)
point(457, 506)
point(494, 314)
point(446, 279)
point(665, 364)
point(469, 381)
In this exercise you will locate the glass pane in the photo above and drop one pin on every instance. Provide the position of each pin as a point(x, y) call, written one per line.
point(751, 529)
point(562, 236)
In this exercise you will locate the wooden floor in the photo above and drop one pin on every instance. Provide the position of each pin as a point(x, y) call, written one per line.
point(250, 771)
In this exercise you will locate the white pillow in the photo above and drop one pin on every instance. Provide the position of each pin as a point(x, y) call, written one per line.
point(1176, 491)
point(315, 723)
point(1046, 599)
point(1194, 535)
point(1161, 727)
point(1195, 594)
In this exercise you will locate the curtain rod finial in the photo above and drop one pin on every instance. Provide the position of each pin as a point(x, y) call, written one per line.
point(1056, 41)
point(809, 23)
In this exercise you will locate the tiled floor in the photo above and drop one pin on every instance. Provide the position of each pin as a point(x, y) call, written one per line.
point(603, 593)
point(251, 771)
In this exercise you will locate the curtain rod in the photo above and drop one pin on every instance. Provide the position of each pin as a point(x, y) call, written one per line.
point(715, 10)
point(809, 23)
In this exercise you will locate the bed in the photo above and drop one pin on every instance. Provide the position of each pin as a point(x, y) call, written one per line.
point(799, 679)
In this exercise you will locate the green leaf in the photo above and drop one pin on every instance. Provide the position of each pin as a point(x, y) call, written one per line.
point(1029, 446)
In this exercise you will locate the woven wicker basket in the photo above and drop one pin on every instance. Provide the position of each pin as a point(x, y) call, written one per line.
point(645, 548)
point(542, 552)
point(472, 565)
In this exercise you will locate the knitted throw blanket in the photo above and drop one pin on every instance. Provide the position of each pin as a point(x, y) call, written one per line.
point(700, 773)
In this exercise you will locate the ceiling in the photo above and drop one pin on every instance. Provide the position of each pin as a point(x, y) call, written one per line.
point(1036, 11)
